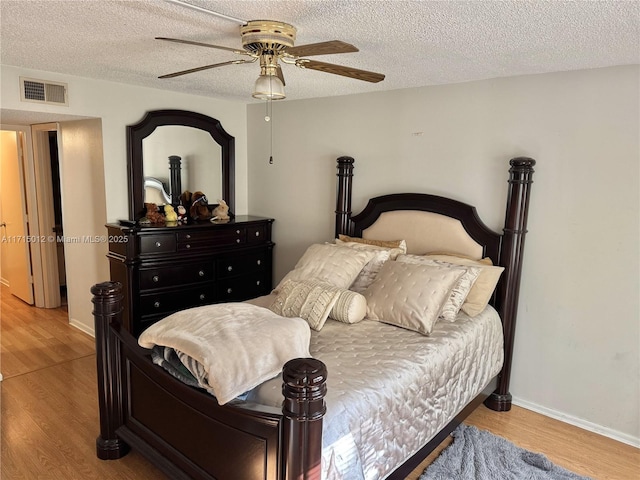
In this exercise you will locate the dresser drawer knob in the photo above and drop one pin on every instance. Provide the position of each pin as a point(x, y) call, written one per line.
point(230, 268)
point(188, 236)
point(237, 240)
point(158, 244)
point(156, 278)
point(201, 273)
point(257, 234)
point(238, 232)
point(258, 282)
point(188, 246)
point(259, 262)
point(229, 290)
point(156, 304)
point(202, 296)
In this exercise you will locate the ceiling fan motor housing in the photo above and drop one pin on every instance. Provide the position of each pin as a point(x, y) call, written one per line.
point(261, 36)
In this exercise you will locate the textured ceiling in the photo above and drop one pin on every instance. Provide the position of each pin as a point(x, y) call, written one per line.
point(414, 43)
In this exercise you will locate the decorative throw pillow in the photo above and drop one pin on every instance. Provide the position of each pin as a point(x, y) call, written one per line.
point(483, 287)
point(485, 260)
point(369, 241)
point(373, 266)
point(410, 295)
point(310, 300)
point(396, 247)
point(351, 307)
point(460, 290)
point(328, 263)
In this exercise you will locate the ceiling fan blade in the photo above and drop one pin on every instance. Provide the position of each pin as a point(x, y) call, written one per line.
point(199, 44)
point(340, 70)
point(322, 48)
point(280, 75)
point(205, 67)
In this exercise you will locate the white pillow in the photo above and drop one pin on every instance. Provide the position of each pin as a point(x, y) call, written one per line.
point(328, 263)
point(351, 307)
point(460, 290)
point(240, 345)
point(410, 295)
point(310, 300)
point(483, 287)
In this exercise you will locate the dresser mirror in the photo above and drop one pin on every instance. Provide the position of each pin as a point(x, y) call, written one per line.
point(170, 151)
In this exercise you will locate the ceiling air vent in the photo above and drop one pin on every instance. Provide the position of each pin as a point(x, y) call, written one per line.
point(42, 91)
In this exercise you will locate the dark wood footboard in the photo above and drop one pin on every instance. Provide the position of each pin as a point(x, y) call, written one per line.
point(183, 430)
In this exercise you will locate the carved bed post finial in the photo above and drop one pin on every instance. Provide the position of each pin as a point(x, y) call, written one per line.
point(343, 195)
point(304, 387)
point(515, 229)
point(107, 301)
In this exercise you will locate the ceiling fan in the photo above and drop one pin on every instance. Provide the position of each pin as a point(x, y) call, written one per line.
point(271, 43)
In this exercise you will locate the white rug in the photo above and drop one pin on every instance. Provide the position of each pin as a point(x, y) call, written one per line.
point(479, 455)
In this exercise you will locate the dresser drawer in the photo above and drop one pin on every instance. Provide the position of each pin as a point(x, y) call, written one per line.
point(243, 288)
point(241, 265)
point(176, 275)
point(164, 243)
point(157, 303)
point(194, 241)
point(256, 234)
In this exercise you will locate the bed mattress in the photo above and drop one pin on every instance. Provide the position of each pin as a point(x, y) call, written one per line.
point(390, 390)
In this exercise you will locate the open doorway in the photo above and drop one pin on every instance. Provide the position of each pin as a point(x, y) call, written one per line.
point(57, 213)
point(46, 156)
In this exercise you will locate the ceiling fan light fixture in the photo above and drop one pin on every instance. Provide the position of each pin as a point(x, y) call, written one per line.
point(268, 87)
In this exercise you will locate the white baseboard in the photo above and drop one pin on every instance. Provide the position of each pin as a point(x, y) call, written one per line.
point(579, 422)
point(81, 326)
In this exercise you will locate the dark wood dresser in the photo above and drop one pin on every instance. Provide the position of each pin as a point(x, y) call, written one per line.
point(164, 269)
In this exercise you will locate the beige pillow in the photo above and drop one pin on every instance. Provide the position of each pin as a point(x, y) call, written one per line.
point(351, 307)
point(482, 289)
point(395, 247)
point(332, 264)
point(460, 290)
point(410, 295)
point(309, 300)
point(373, 266)
point(485, 260)
point(368, 241)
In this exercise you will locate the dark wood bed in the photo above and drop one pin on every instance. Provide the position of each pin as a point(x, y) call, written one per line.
point(186, 434)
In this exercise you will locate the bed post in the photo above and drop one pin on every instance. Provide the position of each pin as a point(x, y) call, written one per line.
point(343, 196)
point(107, 301)
point(515, 229)
point(304, 387)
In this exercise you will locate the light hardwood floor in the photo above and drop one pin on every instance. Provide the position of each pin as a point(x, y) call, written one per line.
point(49, 412)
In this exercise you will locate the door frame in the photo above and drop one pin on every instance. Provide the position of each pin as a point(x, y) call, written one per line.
point(28, 167)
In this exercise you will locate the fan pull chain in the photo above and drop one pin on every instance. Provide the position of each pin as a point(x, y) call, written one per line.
point(267, 118)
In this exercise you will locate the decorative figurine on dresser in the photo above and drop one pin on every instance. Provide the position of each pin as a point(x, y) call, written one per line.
point(170, 266)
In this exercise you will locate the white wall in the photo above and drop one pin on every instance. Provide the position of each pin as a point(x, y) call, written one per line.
point(577, 345)
point(80, 158)
point(117, 106)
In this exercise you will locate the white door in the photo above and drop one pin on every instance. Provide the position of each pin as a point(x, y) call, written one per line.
point(14, 234)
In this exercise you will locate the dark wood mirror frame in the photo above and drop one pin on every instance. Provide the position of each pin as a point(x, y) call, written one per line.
point(156, 118)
